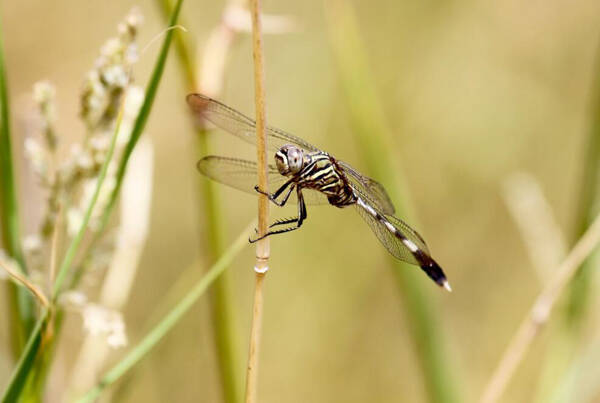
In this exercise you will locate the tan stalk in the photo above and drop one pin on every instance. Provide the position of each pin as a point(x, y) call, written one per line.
point(262, 246)
point(24, 281)
point(539, 313)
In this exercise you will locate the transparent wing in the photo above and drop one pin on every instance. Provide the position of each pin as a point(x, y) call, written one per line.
point(239, 124)
point(242, 175)
point(393, 244)
point(369, 189)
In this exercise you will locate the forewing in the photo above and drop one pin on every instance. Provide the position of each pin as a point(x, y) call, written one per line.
point(392, 243)
point(242, 175)
point(239, 124)
point(369, 189)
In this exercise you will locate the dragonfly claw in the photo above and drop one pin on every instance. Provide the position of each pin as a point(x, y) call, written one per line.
point(262, 192)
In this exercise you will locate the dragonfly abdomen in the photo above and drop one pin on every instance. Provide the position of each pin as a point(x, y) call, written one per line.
point(419, 256)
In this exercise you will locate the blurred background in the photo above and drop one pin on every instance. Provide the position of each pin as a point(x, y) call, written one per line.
point(486, 111)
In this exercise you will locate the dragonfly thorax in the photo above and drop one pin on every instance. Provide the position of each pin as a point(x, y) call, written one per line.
point(289, 160)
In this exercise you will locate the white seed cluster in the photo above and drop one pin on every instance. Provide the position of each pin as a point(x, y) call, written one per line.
point(98, 320)
point(71, 182)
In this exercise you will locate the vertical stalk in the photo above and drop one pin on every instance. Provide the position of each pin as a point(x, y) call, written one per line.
point(373, 135)
point(262, 246)
point(21, 312)
point(567, 331)
point(223, 318)
point(588, 203)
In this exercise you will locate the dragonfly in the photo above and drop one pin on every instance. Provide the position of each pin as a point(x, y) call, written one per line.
point(304, 174)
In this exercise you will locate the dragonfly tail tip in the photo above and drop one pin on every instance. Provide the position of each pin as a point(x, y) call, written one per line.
point(446, 285)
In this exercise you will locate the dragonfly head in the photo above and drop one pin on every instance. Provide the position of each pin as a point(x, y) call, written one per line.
point(289, 160)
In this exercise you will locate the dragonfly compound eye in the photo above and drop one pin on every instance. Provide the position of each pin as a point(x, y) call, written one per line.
point(295, 159)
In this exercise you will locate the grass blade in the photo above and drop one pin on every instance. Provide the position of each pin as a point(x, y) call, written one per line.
point(19, 377)
point(21, 303)
point(170, 320)
point(372, 134)
point(223, 315)
point(142, 117)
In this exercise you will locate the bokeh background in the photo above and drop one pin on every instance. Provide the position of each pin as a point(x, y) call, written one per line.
point(472, 93)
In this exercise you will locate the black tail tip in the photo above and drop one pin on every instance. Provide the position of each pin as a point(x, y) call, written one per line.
point(435, 272)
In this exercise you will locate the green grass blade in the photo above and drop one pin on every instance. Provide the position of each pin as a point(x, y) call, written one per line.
point(21, 372)
point(76, 241)
point(19, 377)
point(373, 135)
point(169, 321)
point(588, 204)
point(184, 46)
point(21, 304)
point(143, 114)
point(223, 314)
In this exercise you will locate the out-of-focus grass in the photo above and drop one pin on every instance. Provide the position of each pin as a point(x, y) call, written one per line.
point(171, 319)
point(481, 90)
point(567, 332)
point(66, 264)
point(21, 309)
point(18, 379)
point(144, 112)
point(21, 374)
point(372, 134)
point(223, 318)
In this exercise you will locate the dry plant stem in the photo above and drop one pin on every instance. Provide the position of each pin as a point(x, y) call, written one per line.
point(539, 313)
point(255, 336)
point(24, 281)
point(262, 246)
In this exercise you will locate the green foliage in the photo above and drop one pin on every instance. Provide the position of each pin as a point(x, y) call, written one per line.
point(372, 134)
point(144, 112)
point(21, 303)
point(223, 315)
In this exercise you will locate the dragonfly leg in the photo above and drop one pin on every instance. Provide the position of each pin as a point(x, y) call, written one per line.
point(298, 220)
point(274, 196)
point(284, 221)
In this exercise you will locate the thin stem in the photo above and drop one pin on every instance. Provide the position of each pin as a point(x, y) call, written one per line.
point(142, 117)
point(255, 336)
point(221, 304)
point(263, 246)
point(539, 313)
point(376, 143)
point(169, 321)
point(20, 279)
